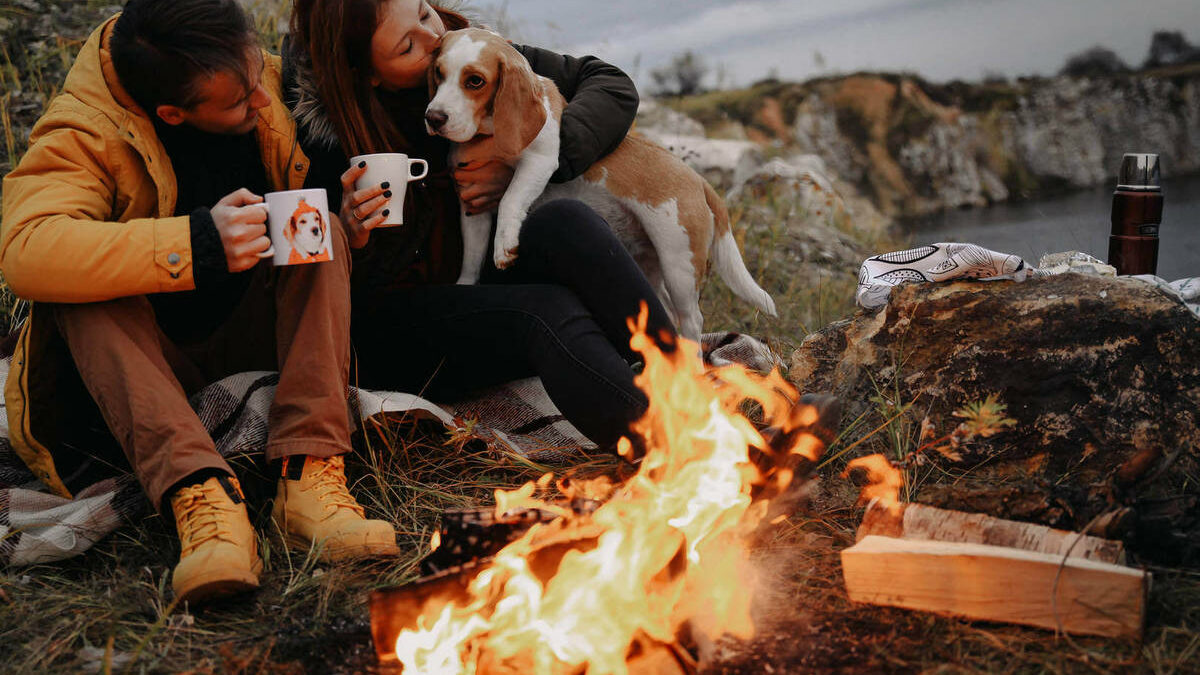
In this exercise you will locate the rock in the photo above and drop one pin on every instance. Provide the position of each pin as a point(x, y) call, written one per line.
point(1057, 137)
point(944, 167)
point(654, 117)
point(1101, 374)
point(981, 144)
point(723, 163)
point(801, 186)
point(815, 131)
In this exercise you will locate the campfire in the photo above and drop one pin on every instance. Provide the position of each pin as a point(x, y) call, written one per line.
point(575, 576)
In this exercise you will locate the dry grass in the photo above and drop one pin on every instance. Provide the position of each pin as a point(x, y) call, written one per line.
point(306, 617)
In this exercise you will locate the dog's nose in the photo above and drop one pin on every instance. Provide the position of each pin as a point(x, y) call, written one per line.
point(316, 231)
point(436, 118)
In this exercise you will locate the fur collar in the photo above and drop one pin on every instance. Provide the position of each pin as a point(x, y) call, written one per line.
point(300, 94)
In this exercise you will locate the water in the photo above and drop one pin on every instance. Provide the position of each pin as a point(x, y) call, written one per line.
point(1078, 221)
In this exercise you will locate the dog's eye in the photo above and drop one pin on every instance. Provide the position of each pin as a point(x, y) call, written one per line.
point(474, 82)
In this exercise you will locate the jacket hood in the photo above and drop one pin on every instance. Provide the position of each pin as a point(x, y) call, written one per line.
point(93, 80)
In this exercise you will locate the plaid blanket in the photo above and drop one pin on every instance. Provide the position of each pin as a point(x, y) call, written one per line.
point(36, 526)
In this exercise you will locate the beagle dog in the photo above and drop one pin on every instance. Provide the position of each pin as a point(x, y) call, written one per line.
point(489, 102)
point(307, 232)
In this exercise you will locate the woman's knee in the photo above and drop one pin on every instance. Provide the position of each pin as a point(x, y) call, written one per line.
point(561, 223)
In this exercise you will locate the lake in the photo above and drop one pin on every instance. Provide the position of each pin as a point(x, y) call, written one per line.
point(1076, 221)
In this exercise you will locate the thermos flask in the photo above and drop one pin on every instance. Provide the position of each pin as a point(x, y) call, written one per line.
point(1136, 214)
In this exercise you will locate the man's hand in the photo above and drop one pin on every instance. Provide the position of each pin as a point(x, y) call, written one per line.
point(362, 210)
point(481, 185)
point(241, 219)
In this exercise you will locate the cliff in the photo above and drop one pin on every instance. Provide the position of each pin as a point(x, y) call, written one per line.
point(917, 147)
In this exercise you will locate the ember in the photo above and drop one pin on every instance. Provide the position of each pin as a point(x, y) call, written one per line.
point(611, 578)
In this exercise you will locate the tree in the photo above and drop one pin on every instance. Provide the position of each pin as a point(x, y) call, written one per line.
point(1169, 48)
point(682, 76)
point(1095, 62)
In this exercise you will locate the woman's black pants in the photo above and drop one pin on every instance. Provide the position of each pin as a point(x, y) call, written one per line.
point(559, 313)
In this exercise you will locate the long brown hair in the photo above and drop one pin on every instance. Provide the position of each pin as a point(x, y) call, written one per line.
point(336, 34)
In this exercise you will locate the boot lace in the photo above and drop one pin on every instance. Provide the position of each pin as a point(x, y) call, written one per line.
point(200, 517)
point(329, 480)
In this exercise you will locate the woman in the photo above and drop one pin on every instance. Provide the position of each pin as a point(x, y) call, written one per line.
point(356, 70)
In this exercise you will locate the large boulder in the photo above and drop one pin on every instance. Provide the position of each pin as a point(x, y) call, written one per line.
point(654, 117)
point(724, 163)
point(1102, 376)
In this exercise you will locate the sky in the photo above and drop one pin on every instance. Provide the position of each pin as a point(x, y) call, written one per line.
point(744, 41)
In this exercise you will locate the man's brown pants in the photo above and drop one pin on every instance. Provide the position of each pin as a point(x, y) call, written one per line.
point(294, 319)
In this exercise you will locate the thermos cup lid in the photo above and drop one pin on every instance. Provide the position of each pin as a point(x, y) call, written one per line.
point(1139, 171)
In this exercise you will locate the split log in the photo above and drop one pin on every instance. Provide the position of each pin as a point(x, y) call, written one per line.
point(996, 583)
point(917, 521)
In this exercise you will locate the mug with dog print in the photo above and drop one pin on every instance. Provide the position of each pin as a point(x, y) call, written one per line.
point(298, 225)
point(394, 168)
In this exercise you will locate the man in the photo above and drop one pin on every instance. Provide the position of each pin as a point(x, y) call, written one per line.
point(134, 223)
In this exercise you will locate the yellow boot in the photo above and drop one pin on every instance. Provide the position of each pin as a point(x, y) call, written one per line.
point(313, 506)
point(219, 553)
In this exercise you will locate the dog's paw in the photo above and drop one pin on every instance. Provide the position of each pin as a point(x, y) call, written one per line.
point(505, 257)
point(505, 246)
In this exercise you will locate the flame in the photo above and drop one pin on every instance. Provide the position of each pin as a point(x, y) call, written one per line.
point(882, 485)
point(435, 541)
point(669, 546)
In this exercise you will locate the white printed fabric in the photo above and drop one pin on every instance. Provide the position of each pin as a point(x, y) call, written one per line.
point(952, 261)
point(932, 262)
point(1187, 290)
point(37, 527)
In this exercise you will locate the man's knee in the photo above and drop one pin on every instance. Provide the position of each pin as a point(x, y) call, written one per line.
point(340, 245)
point(92, 319)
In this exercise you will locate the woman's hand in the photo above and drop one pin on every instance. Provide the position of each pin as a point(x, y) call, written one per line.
point(481, 185)
point(362, 210)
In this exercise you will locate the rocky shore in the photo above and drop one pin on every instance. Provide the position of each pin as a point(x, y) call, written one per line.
point(916, 148)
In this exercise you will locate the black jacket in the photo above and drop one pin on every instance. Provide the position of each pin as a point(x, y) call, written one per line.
point(601, 105)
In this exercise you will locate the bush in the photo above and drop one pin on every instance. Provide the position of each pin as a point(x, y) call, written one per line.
point(682, 76)
point(1095, 62)
point(1170, 48)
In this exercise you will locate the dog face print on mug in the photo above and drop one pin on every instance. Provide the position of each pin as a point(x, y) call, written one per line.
point(298, 224)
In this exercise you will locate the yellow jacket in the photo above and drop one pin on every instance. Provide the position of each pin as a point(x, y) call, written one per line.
point(88, 216)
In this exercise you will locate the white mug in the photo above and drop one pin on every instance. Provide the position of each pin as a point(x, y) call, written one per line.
point(394, 168)
point(298, 225)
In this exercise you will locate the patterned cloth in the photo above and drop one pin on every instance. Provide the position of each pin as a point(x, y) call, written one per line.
point(933, 262)
point(36, 526)
point(1187, 290)
point(952, 261)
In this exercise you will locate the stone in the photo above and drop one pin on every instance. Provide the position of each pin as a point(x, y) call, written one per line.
point(654, 117)
point(724, 163)
point(803, 185)
point(1101, 374)
point(815, 131)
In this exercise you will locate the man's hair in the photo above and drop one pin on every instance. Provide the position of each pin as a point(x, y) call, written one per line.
point(162, 48)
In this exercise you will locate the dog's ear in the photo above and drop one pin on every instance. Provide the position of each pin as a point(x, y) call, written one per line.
point(433, 59)
point(517, 112)
point(289, 230)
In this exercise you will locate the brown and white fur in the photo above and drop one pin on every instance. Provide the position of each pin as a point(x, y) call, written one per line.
point(487, 99)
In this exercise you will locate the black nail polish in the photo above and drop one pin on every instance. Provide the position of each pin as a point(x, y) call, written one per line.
point(388, 194)
point(385, 212)
point(470, 213)
point(385, 185)
point(362, 165)
point(462, 163)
